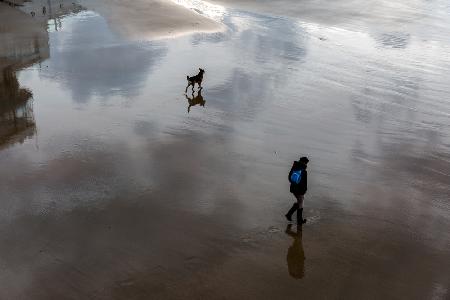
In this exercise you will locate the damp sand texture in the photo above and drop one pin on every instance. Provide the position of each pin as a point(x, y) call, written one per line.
point(114, 184)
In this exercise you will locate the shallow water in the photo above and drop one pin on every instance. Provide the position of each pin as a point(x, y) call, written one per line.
point(121, 190)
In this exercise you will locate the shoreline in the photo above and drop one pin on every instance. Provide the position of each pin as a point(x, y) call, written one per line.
point(154, 19)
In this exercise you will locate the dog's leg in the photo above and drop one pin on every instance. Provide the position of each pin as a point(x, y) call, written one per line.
point(193, 86)
point(187, 87)
point(189, 102)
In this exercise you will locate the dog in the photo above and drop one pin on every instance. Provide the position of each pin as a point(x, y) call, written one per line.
point(196, 100)
point(195, 79)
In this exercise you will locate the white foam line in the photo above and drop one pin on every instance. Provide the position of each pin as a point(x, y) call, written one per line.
point(203, 8)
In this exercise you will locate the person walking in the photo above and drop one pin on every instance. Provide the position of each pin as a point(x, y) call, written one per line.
point(298, 177)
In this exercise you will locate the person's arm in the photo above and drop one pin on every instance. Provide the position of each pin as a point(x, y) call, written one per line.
point(306, 181)
point(290, 172)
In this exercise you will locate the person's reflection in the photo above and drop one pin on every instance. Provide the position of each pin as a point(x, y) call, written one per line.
point(295, 256)
point(194, 100)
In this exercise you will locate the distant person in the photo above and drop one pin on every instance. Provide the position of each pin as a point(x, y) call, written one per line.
point(298, 177)
point(296, 255)
point(44, 10)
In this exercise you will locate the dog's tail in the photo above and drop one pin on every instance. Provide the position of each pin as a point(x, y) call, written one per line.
point(187, 77)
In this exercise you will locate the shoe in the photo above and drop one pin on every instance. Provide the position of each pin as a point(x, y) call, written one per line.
point(300, 220)
point(291, 212)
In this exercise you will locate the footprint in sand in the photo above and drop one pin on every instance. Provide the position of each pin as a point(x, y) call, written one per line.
point(273, 229)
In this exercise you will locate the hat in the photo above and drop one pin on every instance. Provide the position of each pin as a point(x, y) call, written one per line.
point(304, 160)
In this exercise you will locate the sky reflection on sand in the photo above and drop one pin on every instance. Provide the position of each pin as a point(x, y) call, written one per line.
point(124, 185)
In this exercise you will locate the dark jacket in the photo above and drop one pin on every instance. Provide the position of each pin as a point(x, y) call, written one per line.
point(302, 187)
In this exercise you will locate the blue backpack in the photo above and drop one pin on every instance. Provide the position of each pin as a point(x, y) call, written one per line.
point(296, 176)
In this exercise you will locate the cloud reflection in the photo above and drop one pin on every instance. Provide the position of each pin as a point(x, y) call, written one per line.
point(397, 40)
point(94, 63)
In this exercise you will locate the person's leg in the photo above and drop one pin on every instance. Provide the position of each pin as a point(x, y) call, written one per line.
point(300, 219)
point(299, 200)
point(291, 211)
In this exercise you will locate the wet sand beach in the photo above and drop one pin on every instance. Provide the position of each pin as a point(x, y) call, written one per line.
point(151, 19)
point(115, 184)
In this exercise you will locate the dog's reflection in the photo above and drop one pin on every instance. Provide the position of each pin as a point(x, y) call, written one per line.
point(195, 100)
point(295, 256)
